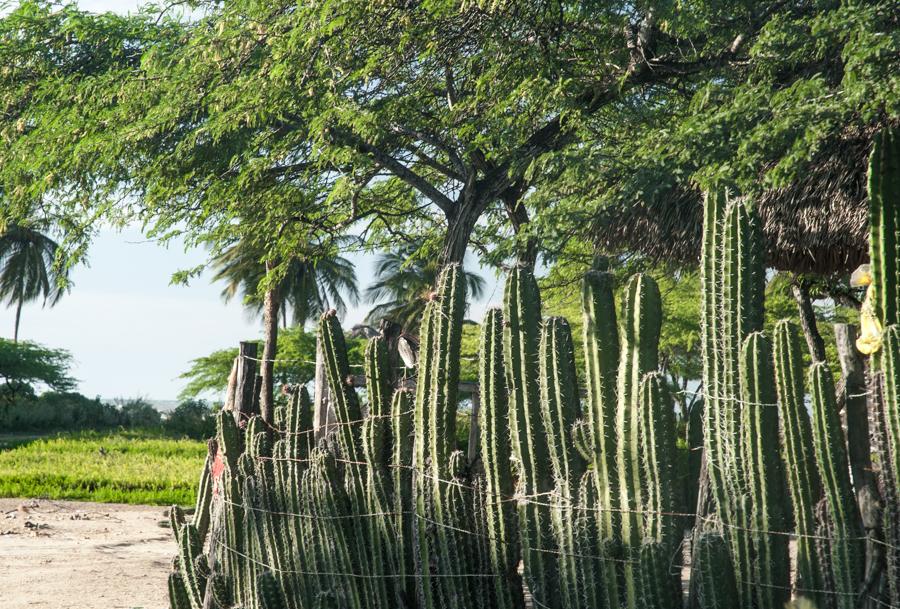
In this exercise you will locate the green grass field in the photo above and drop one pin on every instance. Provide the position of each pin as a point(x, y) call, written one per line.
point(120, 467)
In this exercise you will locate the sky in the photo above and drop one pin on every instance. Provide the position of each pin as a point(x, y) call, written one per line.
point(129, 331)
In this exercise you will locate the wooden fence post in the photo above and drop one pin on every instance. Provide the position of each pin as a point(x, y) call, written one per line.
point(245, 384)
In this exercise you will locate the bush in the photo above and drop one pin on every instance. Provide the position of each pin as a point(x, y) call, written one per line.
point(138, 412)
point(58, 411)
point(193, 419)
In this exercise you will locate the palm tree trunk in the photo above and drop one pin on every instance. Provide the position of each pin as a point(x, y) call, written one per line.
point(271, 309)
point(18, 319)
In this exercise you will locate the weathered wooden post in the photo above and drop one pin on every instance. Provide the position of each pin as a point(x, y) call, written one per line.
point(245, 382)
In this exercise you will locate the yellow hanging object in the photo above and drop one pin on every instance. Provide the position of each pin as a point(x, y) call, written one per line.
point(870, 334)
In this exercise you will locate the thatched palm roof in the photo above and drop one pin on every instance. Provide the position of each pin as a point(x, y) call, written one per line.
point(819, 224)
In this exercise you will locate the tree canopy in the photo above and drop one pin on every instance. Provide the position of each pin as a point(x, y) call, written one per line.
point(25, 364)
point(501, 126)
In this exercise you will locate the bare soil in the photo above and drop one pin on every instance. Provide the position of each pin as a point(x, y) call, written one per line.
point(69, 554)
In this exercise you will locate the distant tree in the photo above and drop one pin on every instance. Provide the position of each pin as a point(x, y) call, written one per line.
point(191, 418)
point(25, 364)
point(138, 412)
point(27, 270)
point(403, 282)
point(304, 287)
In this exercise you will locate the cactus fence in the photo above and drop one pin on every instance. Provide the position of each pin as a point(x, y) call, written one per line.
point(567, 500)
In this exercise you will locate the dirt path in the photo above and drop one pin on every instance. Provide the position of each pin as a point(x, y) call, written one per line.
point(68, 555)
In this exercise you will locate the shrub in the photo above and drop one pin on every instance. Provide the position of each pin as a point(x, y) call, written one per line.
point(191, 418)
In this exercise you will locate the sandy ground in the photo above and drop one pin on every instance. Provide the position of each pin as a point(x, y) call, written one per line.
point(68, 554)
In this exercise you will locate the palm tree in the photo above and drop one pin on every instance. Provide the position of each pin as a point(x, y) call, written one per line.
point(308, 287)
point(404, 284)
point(27, 272)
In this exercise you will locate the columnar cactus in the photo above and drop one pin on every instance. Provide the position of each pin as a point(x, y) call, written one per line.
point(377, 426)
point(803, 478)
point(847, 547)
point(522, 315)
point(713, 573)
point(659, 587)
point(641, 319)
point(204, 495)
point(337, 368)
point(189, 551)
point(601, 354)
point(401, 459)
point(765, 474)
point(495, 459)
point(560, 409)
point(884, 224)
point(435, 423)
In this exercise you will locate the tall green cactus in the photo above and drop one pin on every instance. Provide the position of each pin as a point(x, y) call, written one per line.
point(337, 368)
point(771, 567)
point(641, 320)
point(884, 224)
point(377, 426)
point(401, 459)
point(847, 547)
point(435, 422)
point(522, 315)
point(659, 588)
point(803, 478)
point(599, 498)
point(495, 458)
point(713, 573)
point(601, 349)
point(560, 409)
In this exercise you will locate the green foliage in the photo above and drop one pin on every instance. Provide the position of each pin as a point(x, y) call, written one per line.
point(296, 348)
point(24, 364)
point(137, 412)
point(52, 411)
point(27, 269)
point(191, 418)
point(123, 467)
point(304, 287)
point(405, 282)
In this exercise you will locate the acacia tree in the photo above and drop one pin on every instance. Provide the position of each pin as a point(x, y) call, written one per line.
point(430, 120)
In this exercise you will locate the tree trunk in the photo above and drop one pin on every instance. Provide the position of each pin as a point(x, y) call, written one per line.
point(460, 225)
point(18, 319)
point(808, 322)
point(271, 306)
point(518, 218)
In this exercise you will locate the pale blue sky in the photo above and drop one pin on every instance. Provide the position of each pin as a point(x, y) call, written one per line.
point(130, 332)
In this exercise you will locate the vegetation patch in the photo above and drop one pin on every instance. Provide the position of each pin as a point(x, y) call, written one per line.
point(124, 467)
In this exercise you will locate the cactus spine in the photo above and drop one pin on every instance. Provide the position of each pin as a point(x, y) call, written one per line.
point(495, 458)
point(847, 549)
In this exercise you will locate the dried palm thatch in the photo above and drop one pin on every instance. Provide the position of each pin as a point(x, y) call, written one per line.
point(818, 224)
